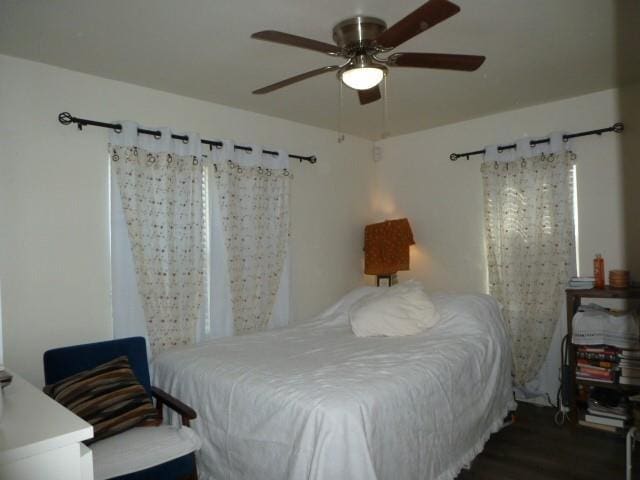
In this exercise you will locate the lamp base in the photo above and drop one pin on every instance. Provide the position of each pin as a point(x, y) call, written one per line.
point(386, 280)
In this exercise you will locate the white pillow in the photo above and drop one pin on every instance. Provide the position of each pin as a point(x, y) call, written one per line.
point(403, 309)
point(346, 302)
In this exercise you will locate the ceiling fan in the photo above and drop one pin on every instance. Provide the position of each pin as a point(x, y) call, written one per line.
point(361, 40)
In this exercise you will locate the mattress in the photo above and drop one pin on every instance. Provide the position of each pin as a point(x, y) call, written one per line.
point(314, 401)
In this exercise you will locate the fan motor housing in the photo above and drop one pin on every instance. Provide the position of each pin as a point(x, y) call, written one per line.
point(358, 33)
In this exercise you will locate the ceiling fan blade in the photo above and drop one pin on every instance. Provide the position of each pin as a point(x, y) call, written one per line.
point(426, 16)
point(296, 41)
point(297, 78)
point(445, 61)
point(369, 96)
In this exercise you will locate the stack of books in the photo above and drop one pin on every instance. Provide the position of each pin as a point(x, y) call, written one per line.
point(597, 363)
point(605, 413)
point(629, 366)
point(580, 283)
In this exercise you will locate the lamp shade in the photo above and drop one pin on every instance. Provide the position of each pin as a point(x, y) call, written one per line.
point(386, 247)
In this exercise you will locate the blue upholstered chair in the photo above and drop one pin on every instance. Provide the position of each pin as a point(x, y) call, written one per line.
point(149, 453)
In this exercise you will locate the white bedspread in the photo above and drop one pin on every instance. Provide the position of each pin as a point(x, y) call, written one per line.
point(316, 402)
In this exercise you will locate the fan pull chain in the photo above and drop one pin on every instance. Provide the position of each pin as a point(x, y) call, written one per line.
point(385, 109)
point(340, 105)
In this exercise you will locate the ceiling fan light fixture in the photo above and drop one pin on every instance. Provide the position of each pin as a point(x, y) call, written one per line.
point(362, 78)
point(360, 39)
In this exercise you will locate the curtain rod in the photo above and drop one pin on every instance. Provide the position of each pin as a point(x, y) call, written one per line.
point(66, 118)
point(616, 127)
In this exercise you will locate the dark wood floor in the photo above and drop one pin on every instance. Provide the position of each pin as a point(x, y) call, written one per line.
point(533, 448)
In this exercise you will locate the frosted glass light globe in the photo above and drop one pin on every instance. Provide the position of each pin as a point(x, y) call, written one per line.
point(362, 78)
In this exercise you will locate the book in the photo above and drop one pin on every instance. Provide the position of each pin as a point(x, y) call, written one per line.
point(629, 363)
point(597, 363)
point(580, 286)
point(629, 366)
point(607, 357)
point(594, 379)
point(579, 283)
point(624, 380)
point(599, 349)
point(613, 422)
point(603, 413)
point(597, 426)
point(613, 403)
point(593, 368)
point(630, 372)
point(592, 372)
point(597, 353)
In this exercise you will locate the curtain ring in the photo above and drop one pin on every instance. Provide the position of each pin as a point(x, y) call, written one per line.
point(239, 169)
point(230, 163)
point(169, 158)
point(118, 129)
point(268, 172)
point(151, 158)
point(114, 156)
point(185, 140)
point(195, 161)
point(135, 151)
point(495, 164)
point(285, 172)
point(157, 135)
point(260, 169)
point(572, 155)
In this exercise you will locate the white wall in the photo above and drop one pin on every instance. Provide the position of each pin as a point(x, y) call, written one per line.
point(54, 239)
point(444, 202)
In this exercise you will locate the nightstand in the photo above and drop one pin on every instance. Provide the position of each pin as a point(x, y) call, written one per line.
point(40, 439)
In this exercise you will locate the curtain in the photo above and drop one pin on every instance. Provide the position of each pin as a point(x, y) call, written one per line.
point(159, 182)
point(128, 312)
point(529, 234)
point(249, 212)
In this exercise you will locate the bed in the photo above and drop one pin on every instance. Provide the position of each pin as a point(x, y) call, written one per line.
point(314, 401)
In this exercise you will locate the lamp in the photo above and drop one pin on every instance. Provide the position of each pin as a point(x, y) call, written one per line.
point(362, 74)
point(386, 249)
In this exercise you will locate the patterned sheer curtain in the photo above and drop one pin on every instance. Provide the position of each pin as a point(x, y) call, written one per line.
point(249, 203)
point(529, 233)
point(160, 185)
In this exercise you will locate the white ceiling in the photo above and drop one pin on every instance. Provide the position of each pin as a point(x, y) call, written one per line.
point(536, 51)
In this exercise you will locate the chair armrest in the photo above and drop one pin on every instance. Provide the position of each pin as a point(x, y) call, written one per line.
point(163, 398)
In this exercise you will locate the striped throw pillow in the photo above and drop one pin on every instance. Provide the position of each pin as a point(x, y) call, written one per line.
point(109, 397)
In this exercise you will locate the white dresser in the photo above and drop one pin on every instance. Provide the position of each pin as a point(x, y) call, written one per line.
point(40, 439)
